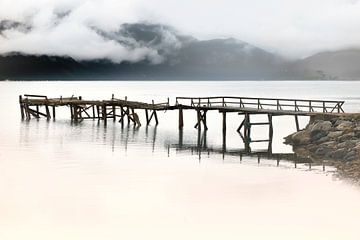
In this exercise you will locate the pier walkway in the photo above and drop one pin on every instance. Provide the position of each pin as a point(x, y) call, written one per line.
point(37, 106)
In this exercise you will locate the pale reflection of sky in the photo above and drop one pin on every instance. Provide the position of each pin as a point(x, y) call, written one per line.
point(85, 181)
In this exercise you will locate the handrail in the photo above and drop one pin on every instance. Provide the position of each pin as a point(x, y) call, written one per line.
point(296, 105)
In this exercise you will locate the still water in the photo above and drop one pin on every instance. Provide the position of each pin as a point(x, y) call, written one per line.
point(60, 180)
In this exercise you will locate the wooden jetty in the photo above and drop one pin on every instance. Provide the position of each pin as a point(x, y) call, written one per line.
point(37, 106)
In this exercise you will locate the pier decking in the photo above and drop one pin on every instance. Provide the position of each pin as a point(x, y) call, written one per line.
point(37, 106)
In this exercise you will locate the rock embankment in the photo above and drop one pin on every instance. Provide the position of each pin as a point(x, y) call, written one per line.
point(333, 139)
point(336, 138)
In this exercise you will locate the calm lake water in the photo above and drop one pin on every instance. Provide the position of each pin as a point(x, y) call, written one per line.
point(60, 180)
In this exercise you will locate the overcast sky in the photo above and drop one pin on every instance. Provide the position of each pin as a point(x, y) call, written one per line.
point(293, 28)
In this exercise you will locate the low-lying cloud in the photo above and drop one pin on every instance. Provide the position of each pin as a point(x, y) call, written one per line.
point(78, 28)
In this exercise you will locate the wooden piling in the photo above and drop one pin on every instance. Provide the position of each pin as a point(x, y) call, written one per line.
point(22, 111)
point(156, 118)
point(37, 111)
point(104, 114)
point(147, 116)
point(224, 121)
point(54, 112)
point(198, 124)
point(48, 115)
point(181, 118)
point(297, 123)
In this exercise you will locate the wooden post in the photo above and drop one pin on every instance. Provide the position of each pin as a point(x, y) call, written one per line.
point(128, 114)
point(21, 107)
point(71, 112)
point(181, 119)
point(48, 115)
point(93, 111)
point(122, 116)
point(98, 111)
point(113, 108)
point(224, 121)
point(156, 118)
point(147, 116)
point(104, 114)
point(54, 112)
point(297, 123)
point(271, 133)
point(37, 111)
point(75, 112)
point(28, 116)
point(198, 120)
point(114, 112)
point(224, 131)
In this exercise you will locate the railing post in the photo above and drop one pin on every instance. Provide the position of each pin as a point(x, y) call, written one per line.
point(223, 102)
point(277, 104)
point(324, 107)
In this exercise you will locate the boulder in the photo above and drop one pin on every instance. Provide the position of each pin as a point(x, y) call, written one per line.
point(321, 126)
point(346, 137)
point(339, 153)
point(321, 151)
point(335, 134)
point(350, 156)
point(323, 139)
point(343, 125)
point(316, 135)
point(301, 138)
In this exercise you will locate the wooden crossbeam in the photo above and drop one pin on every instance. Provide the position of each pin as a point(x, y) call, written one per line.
point(201, 118)
point(152, 115)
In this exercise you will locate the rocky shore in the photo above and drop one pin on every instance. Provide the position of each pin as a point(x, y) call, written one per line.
point(334, 139)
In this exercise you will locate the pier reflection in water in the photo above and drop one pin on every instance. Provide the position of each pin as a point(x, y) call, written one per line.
point(121, 137)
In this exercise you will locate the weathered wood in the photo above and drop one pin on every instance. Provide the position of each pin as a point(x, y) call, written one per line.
point(22, 111)
point(297, 123)
point(181, 119)
point(224, 131)
point(48, 116)
point(104, 114)
point(54, 112)
point(147, 116)
point(156, 118)
point(37, 111)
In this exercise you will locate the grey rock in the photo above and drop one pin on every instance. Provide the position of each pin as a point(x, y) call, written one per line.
point(301, 138)
point(343, 125)
point(346, 137)
point(335, 134)
point(350, 156)
point(316, 135)
point(328, 143)
point(339, 153)
point(323, 139)
point(321, 151)
point(346, 144)
point(321, 126)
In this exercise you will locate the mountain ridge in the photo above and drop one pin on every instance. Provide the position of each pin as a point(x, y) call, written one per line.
point(179, 57)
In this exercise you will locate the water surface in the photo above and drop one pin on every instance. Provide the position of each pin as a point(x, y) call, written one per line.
point(60, 180)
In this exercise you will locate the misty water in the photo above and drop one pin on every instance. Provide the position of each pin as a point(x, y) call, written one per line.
point(60, 180)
